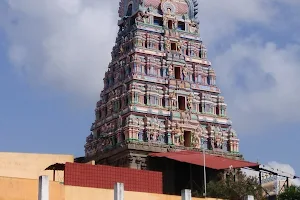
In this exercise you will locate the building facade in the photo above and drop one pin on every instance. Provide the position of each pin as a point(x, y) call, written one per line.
point(160, 91)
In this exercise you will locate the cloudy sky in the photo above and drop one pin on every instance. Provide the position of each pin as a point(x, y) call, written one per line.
point(53, 54)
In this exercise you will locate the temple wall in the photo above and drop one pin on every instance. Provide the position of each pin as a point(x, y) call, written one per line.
point(27, 189)
point(79, 193)
point(31, 166)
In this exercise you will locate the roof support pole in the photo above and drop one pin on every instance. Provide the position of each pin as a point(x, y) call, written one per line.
point(43, 193)
point(204, 172)
point(260, 181)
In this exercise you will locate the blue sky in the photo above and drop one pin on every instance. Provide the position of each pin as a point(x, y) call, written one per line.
point(53, 55)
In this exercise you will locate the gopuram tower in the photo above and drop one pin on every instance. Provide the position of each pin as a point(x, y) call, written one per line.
point(160, 91)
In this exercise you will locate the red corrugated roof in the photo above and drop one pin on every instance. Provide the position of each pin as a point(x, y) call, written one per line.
point(211, 161)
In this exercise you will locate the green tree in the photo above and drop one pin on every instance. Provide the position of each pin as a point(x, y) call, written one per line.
point(235, 187)
point(291, 193)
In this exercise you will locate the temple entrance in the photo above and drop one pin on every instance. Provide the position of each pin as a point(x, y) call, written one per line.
point(187, 138)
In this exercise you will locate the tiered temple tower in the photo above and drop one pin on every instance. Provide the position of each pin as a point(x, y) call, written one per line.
point(160, 91)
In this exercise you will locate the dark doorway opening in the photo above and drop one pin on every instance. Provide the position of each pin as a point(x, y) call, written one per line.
point(177, 73)
point(129, 10)
point(200, 108)
point(181, 26)
point(158, 21)
point(187, 138)
point(181, 103)
point(173, 46)
point(170, 24)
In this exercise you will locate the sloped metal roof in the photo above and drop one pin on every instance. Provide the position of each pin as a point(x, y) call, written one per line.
point(211, 161)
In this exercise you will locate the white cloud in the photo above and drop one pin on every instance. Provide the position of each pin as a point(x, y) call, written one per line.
point(62, 43)
point(258, 75)
point(261, 79)
point(221, 20)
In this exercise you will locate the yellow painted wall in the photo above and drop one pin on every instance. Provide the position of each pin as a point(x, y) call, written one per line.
point(31, 166)
point(79, 193)
point(27, 189)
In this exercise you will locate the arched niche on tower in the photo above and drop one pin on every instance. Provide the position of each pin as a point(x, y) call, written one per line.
point(129, 11)
point(127, 8)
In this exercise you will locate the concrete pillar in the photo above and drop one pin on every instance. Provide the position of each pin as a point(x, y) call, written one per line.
point(186, 195)
point(119, 191)
point(43, 193)
point(249, 197)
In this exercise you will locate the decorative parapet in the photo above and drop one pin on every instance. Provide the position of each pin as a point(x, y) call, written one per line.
point(138, 145)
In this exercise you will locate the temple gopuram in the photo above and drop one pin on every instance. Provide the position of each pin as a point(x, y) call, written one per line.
point(160, 93)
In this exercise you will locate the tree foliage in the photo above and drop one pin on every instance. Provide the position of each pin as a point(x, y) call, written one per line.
point(291, 193)
point(235, 187)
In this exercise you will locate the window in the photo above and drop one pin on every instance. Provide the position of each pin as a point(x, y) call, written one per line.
point(181, 103)
point(158, 21)
point(105, 111)
point(123, 136)
point(115, 140)
point(170, 24)
point(132, 21)
point(217, 110)
point(177, 73)
point(129, 10)
point(187, 138)
point(99, 114)
point(120, 104)
point(145, 100)
point(200, 108)
point(163, 102)
point(141, 135)
point(208, 80)
point(98, 133)
point(173, 46)
point(181, 26)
